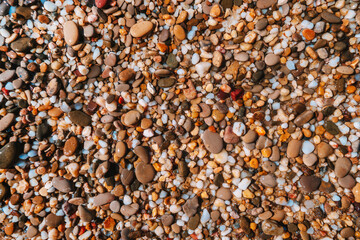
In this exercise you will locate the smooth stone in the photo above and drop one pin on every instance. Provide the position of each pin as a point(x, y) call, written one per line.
point(6, 121)
point(309, 159)
point(141, 29)
point(272, 59)
point(142, 153)
point(115, 206)
point(224, 193)
point(307, 147)
point(100, 3)
point(94, 72)
point(164, 35)
point(263, 142)
point(212, 141)
point(230, 136)
point(275, 154)
point(261, 24)
point(356, 192)
point(145, 173)
point(3, 191)
point(293, 148)
point(324, 150)
point(50, 6)
point(217, 59)
point(8, 155)
point(183, 169)
point(347, 182)
point(303, 118)
point(310, 183)
point(129, 210)
point(127, 177)
point(110, 60)
point(7, 75)
point(120, 149)
point(4, 8)
point(250, 136)
point(21, 44)
point(269, 166)
point(62, 184)
point(89, 31)
point(103, 198)
point(202, 68)
point(55, 112)
point(127, 75)
point(245, 224)
point(22, 73)
point(342, 167)
point(270, 227)
point(43, 131)
point(71, 33)
point(345, 70)
point(171, 61)
point(242, 56)
point(179, 32)
point(52, 87)
point(194, 222)
point(80, 118)
point(332, 128)
point(166, 82)
point(330, 17)
point(327, 187)
point(53, 220)
point(268, 180)
point(131, 118)
point(347, 232)
point(70, 146)
point(265, 215)
point(167, 219)
point(85, 214)
point(190, 207)
point(31, 232)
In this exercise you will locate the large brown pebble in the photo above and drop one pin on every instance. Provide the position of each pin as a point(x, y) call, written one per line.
point(129, 210)
point(80, 118)
point(62, 184)
point(272, 59)
point(70, 146)
point(120, 149)
point(250, 136)
point(275, 154)
point(347, 182)
point(293, 148)
point(6, 121)
point(271, 228)
point(330, 17)
point(140, 29)
point(53, 220)
point(310, 183)
point(7, 75)
point(342, 167)
point(71, 33)
point(224, 193)
point(142, 153)
point(127, 75)
point(212, 141)
point(85, 214)
point(167, 219)
point(230, 136)
point(347, 232)
point(31, 232)
point(127, 177)
point(55, 112)
point(345, 70)
point(191, 205)
point(131, 118)
point(268, 180)
point(179, 32)
point(324, 150)
point(262, 4)
point(103, 198)
point(303, 118)
point(145, 173)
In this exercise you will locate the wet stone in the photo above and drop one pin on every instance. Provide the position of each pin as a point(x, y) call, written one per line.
point(272, 228)
point(310, 183)
point(8, 155)
point(62, 184)
point(224, 193)
point(145, 173)
point(21, 44)
point(53, 220)
point(85, 214)
point(6, 121)
point(194, 222)
point(7, 75)
point(342, 167)
point(212, 141)
point(80, 118)
point(171, 61)
point(103, 198)
point(166, 82)
point(43, 131)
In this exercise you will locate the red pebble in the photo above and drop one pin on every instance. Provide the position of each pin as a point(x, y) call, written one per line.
point(121, 100)
point(236, 94)
point(100, 3)
point(5, 91)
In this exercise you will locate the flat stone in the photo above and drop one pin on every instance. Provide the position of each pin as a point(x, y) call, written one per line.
point(342, 167)
point(347, 182)
point(129, 210)
point(331, 127)
point(85, 214)
point(347, 232)
point(4, 8)
point(183, 169)
point(324, 150)
point(179, 32)
point(7, 75)
point(230, 136)
point(275, 154)
point(70, 146)
point(268, 180)
point(224, 193)
point(345, 70)
point(145, 173)
point(53, 220)
point(71, 33)
point(3, 191)
point(272, 59)
point(80, 118)
point(166, 82)
point(127, 177)
point(43, 131)
point(110, 60)
point(309, 159)
point(103, 198)
point(269, 166)
point(141, 29)
point(21, 44)
point(190, 207)
point(310, 183)
point(356, 192)
point(142, 153)
point(212, 141)
point(293, 148)
point(270, 227)
point(62, 184)
point(330, 17)
point(167, 219)
point(6, 121)
point(171, 61)
point(132, 117)
point(250, 136)
point(127, 75)
point(31, 232)
point(327, 187)
point(194, 222)
point(89, 31)
point(261, 23)
point(8, 155)
point(120, 149)
point(303, 118)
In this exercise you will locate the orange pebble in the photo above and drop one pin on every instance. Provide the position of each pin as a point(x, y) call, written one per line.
point(351, 89)
point(308, 34)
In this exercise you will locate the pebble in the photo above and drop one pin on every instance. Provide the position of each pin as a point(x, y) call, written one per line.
point(250, 137)
point(347, 232)
point(190, 207)
point(7, 75)
point(80, 118)
point(53, 220)
point(131, 118)
point(70, 146)
point(142, 153)
point(167, 219)
point(62, 184)
point(272, 59)
point(71, 33)
point(89, 31)
point(268, 180)
point(145, 173)
point(100, 3)
point(166, 82)
point(261, 24)
point(127, 75)
point(6, 121)
point(345, 70)
point(202, 68)
point(303, 118)
point(224, 193)
point(103, 198)
point(85, 214)
point(3, 191)
point(342, 167)
point(120, 149)
point(31, 232)
point(179, 32)
point(309, 159)
point(307, 147)
point(272, 228)
point(129, 210)
point(21, 44)
point(324, 150)
point(347, 182)
point(50, 6)
point(127, 177)
point(330, 17)
point(310, 183)
point(8, 155)
point(293, 148)
point(194, 222)
point(141, 29)
point(212, 141)
point(230, 136)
